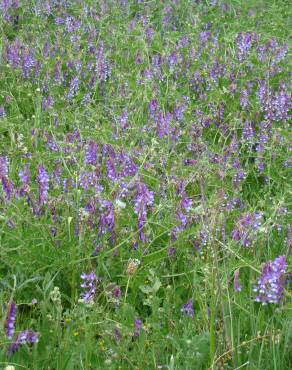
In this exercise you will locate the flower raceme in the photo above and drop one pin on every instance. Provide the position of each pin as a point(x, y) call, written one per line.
point(25, 337)
point(43, 181)
point(270, 285)
point(188, 308)
point(10, 321)
point(89, 285)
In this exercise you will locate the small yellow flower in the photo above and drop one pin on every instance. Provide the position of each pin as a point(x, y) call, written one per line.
point(76, 334)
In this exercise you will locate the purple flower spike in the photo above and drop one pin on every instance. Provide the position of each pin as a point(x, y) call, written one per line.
point(244, 98)
point(152, 107)
point(246, 228)
point(25, 337)
point(91, 153)
point(43, 181)
point(244, 43)
point(8, 187)
point(89, 285)
point(270, 285)
point(2, 112)
point(144, 198)
point(106, 221)
point(28, 62)
point(163, 124)
point(24, 175)
point(138, 327)
point(188, 308)
point(3, 166)
point(10, 321)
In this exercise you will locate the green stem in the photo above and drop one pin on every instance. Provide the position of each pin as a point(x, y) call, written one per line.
point(127, 287)
point(212, 333)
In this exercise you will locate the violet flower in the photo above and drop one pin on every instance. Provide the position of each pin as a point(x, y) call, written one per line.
point(246, 228)
point(102, 67)
point(13, 53)
point(111, 169)
point(149, 33)
point(24, 175)
point(244, 43)
point(188, 308)
point(138, 327)
point(73, 88)
point(28, 62)
point(47, 102)
point(25, 337)
point(270, 285)
point(124, 119)
point(163, 124)
point(144, 198)
point(10, 321)
point(129, 169)
point(282, 104)
point(89, 285)
point(178, 111)
point(43, 181)
point(106, 221)
point(248, 131)
point(88, 179)
point(7, 186)
point(91, 153)
point(2, 112)
point(152, 107)
point(3, 166)
point(244, 98)
point(171, 251)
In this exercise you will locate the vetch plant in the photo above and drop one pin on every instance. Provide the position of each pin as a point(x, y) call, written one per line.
point(145, 184)
point(89, 286)
point(25, 337)
point(271, 283)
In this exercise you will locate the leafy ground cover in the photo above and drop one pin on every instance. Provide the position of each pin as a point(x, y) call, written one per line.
point(145, 184)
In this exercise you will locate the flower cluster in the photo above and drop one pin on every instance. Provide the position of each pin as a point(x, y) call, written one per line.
point(107, 217)
point(183, 211)
point(270, 285)
point(10, 321)
point(137, 327)
point(25, 337)
point(43, 181)
point(7, 185)
point(89, 285)
point(91, 153)
point(144, 198)
point(188, 308)
point(246, 227)
point(244, 43)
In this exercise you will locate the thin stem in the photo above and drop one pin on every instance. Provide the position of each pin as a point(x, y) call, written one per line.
point(127, 287)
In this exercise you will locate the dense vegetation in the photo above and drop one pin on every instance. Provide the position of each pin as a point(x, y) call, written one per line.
point(145, 181)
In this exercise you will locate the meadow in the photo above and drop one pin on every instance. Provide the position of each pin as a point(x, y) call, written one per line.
point(145, 185)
